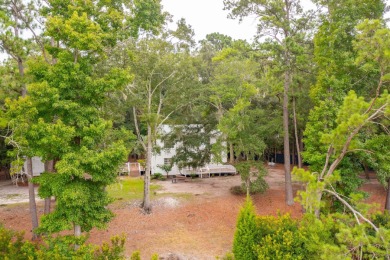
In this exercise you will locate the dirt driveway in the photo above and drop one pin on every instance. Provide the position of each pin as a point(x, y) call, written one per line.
point(190, 220)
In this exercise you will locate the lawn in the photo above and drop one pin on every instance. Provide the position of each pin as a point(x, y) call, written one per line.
point(129, 189)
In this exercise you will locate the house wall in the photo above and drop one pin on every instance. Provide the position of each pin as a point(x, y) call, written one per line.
point(158, 158)
point(37, 165)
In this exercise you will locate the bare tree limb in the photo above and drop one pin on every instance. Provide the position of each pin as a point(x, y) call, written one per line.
point(137, 129)
point(355, 212)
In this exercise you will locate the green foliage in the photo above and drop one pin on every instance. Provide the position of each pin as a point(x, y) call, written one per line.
point(234, 94)
point(351, 61)
point(155, 257)
point(158, 176)
point(227, 256)
point(135, 256)
point(335, 236)
point(195, 148)
point(246, 236)
point(280, 239)
point(12, 246)
point(252, 173)
point(113, 251)
point(166, 168)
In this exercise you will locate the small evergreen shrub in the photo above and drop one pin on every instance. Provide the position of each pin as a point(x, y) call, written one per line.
point(246, 236)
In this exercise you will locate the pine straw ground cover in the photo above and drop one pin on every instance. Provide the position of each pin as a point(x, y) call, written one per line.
point(194, 219)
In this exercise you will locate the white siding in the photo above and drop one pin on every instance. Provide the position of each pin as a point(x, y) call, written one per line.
point(158, 158)
point(38, 166)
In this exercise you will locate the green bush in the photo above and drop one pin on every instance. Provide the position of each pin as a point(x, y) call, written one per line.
point(246, 236)
point(158, 176)
point(154, 257)
point(135, 256)
point(227, 256)
point(238, 190)
point(13, 247)
point(280, 239)
point(334, 236)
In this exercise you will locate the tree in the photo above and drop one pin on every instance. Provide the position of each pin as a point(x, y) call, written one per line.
point(252, 176)
point(233, 92)
point(337, 74)
point(62, 115)
point(166, 168)
point(16, 17)
point(355, 115)
point(282, 23)
point(246, 235)
point(164, 77)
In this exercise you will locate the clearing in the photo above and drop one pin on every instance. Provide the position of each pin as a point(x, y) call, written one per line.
point(191, 220)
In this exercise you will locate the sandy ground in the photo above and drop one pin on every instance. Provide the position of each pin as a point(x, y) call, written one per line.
point(190, 220)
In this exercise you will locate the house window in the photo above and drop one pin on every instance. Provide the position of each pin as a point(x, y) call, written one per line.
point(167, 161)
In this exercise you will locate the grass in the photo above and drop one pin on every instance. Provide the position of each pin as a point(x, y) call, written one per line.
point(184, 196)
point(11, 196)
point(129, 189)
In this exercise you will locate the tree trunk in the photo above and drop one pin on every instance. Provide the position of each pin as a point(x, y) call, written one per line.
point(287, 171)
point(317, 209)
point(31, 195)
point(248, 186)
point(231, 157)
point(77, 230)
point(293, 155)
point(49, 167)
point(387, 206)
point(296, 136)
point(31, 190)
point(366, 171)
point(147, 207)
point(77, 233)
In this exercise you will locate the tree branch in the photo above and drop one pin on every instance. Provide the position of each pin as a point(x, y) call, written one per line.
point(355, 212)
point(137, 129)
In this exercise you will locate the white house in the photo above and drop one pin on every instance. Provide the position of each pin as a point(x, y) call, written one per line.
point(165, 155)
point(37, 166)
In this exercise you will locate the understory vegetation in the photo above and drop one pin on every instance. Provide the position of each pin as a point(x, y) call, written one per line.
point(12, 246)
point(87, 84)
point(333, 236)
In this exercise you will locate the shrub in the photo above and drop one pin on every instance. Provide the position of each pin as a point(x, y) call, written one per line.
point(237, 190)
point(280, 239)
point(13, 247)
point(158, 176)
point(135, 256)
point(246, 236)
point(113, 251)
point(227, 256)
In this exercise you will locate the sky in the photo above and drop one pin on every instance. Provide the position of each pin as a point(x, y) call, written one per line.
point(208, 16)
